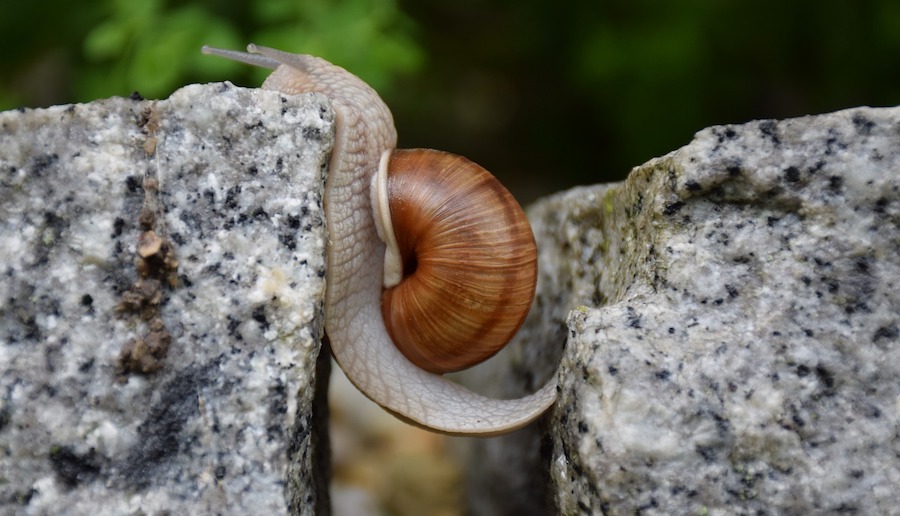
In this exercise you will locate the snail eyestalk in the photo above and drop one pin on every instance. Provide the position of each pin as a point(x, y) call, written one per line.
point(253, 59)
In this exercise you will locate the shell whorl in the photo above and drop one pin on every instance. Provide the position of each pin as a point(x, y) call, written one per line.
point(468, 257)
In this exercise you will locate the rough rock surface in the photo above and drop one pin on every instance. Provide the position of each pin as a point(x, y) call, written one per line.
point(162, 278)
point(739, 352)
point(733, 329)
point(729, 316)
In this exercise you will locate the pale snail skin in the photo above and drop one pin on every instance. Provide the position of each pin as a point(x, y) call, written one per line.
point(356, 270)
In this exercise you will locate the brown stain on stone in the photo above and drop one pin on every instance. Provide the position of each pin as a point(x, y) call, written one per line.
point(157, 271)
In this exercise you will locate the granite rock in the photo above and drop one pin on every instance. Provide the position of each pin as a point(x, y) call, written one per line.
point(737, 346)
point(730, 318)
point(162, 278)
point(725, 320)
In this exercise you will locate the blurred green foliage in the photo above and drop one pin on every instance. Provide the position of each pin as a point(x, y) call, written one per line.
point(114, 47)
point(545, 94)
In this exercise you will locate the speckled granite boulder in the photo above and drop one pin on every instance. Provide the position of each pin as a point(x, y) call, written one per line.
point(739, 353)
point(162, 278)
point(733, 318)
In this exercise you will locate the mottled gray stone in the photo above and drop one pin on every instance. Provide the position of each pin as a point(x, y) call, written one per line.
point(193, 223)
point(740, 352)
point(733, 330)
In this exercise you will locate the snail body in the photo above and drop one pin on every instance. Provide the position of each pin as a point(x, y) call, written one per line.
point(376, 194)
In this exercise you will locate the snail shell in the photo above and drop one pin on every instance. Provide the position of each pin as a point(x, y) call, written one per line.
point(359, 263)
point(469, 261)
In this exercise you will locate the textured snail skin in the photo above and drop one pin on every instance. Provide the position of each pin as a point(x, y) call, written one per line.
point(353, 319)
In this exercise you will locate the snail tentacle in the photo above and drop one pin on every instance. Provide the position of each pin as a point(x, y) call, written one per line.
point(243, 57)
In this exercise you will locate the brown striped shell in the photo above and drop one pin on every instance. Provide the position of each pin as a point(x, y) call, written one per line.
point(469, 260)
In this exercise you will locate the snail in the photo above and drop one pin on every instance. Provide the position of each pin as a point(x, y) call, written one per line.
point(402, 250)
